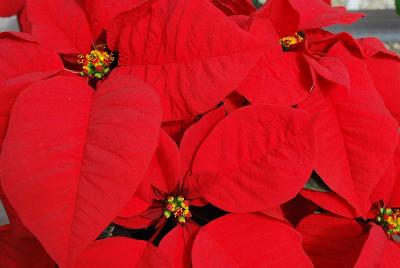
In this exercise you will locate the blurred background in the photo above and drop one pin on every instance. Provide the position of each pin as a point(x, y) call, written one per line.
point(381, 21)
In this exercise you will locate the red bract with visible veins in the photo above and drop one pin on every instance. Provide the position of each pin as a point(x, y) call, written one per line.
point(352, 154)
point(234, 162)
point(375, 56)
point(83, 154)
point(193, 62)
point(289, 80)
point(248, 240)
point(331, 242)
point(23, 62)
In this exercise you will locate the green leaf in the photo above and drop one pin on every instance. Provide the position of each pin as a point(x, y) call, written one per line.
point(257, 3)
point(315, 183)
point(397, 6)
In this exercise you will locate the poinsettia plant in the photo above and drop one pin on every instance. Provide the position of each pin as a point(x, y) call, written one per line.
point(196, 133)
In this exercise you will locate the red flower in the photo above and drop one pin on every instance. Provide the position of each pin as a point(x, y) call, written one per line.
point(287, 81)
point(235, 240)
point(222, 162)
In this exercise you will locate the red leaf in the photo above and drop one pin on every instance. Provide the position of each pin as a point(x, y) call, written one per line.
point(122, 253)
point(7, 248)
point(18, 243)
point(177, 244)
point(21, 252)
point(20, 55)
point(290, 16)
point(100, 13)
point(193, 62)
point(278, 78)
point(395, 197)
point(256, 158)
point(9, 8)
point(384, 71)
point(142, 220)
point(331, 202)
point(164, 169)
point(60, 25)
point(195, 136)
point(9, 91)
point(352, 154)
point(235, 7)
point(330, 241)
point(331, 69)
point(248, 240)
point(378, 250)
point(61, 158)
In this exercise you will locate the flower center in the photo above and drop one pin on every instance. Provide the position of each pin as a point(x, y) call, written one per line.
point(292, 41)
point(177, 207)
point(97, 63)
point(389, 219)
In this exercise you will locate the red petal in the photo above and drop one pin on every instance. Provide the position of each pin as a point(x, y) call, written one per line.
point(330, 241)
point(19, 55)
point(19, 244)
point(60, 25)
point(256, 158)
point(9, 8)
point(143, 220)
point(248, 240)
point(352, 155)
point(378, 250)
point(122, 253)
point(164, 169)
point(278, 78)
point(289, 16)
point(384, 71)
point(177, 244)
point(331, 202)
point(100, 13)
point(176, 129)
point(195, 136)
point(61, 158)
point(9, 91)
point(331, 69)
point(193, 72)
point(235, 7)
point(395, 198)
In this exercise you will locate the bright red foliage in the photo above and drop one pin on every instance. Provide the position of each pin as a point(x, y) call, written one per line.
point(196, 133)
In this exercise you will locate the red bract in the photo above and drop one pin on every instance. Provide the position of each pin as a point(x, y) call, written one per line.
point(9, 8)
point(83, 154)
point(235, 7)
point(193, 72)
point(232, 162)
point(23, 62)
point(339, 242)
point(352, 154)
point(122, 253)
point(19, 248)
point(248, 240)
point(245, 165)
point(288, 80)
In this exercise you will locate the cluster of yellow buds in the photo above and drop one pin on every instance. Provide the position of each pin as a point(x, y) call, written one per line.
point(389, 219)
point(178, 207)
point(292, 41)
point(97, 63)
